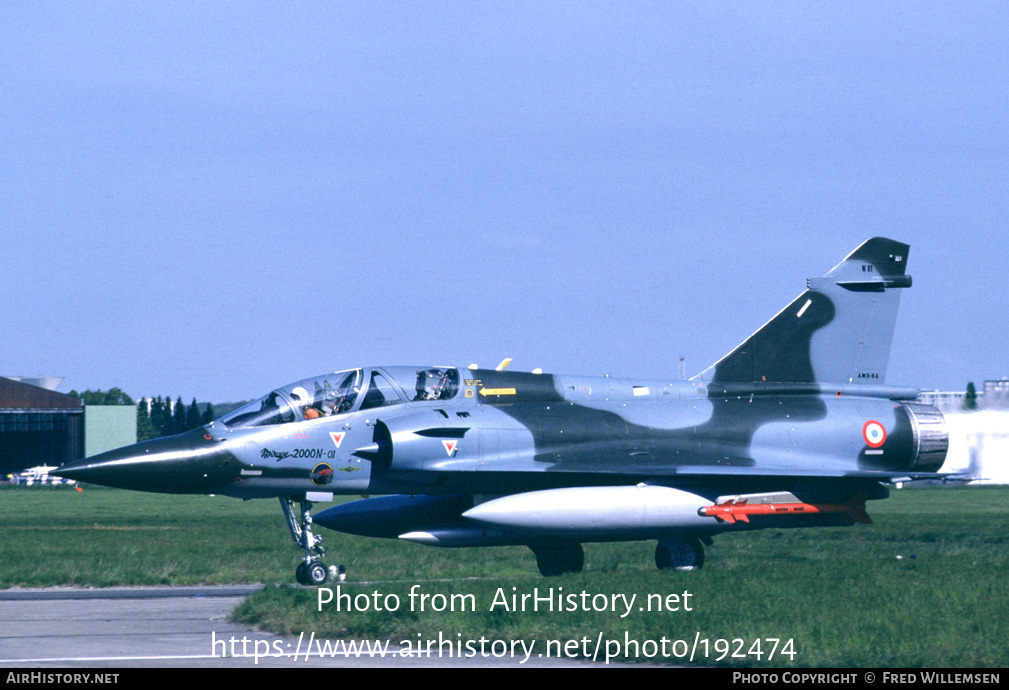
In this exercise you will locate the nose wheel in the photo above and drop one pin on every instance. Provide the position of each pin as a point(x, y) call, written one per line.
point(314, 573)
point(311, 570)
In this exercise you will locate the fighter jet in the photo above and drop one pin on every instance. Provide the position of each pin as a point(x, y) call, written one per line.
point(795, 427)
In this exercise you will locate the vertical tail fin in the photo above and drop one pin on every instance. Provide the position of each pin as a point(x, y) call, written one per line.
point(838, 331)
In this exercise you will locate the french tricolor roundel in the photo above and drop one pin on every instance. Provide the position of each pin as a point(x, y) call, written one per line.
point(337, 437)
point(450, 446)
point(874, 434)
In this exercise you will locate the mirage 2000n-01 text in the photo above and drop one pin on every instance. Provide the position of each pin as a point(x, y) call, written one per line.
point(793, 428)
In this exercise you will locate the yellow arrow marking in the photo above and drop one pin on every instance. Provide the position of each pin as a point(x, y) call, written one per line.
point(497, 391)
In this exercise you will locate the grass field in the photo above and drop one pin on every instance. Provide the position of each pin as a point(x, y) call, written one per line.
point(841, 594)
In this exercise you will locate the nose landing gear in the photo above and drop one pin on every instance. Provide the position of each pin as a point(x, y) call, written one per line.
point(311, 570)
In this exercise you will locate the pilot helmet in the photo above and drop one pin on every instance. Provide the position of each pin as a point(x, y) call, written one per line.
point(300, 396)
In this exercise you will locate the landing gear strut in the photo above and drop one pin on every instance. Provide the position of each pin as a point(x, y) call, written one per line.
point(311, 570)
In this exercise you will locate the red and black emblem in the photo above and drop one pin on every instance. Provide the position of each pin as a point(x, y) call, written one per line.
point(322, 474)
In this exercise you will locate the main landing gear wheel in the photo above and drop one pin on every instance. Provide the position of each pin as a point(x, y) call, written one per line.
point(311, 570)
point(681, 554)
point(559, 558)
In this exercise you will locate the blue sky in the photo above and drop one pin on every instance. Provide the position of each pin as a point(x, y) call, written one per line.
point(212, 199)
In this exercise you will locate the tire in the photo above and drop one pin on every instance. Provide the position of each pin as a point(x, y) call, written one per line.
point(317, 573)
point(301, 574)
point(560, 558)
point(684, 554)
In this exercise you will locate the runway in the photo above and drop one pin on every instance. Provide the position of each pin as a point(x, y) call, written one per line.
point(127, 627)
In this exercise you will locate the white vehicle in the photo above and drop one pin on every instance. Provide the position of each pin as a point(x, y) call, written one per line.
point(40, 475)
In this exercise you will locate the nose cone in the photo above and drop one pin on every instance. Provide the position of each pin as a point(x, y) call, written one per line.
point(187, 463)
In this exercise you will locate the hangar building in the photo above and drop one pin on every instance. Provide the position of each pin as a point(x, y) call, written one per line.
point(39, 426)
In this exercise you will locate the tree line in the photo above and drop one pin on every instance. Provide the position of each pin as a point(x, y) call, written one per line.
point(156, 419)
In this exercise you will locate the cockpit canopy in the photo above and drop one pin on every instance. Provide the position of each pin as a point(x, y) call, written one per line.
point(346, 391)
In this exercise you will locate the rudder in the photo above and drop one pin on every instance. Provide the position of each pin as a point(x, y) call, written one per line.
point(838, 331)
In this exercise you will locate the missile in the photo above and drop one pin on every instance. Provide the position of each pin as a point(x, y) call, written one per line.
point(741, 510)
point(594, 512)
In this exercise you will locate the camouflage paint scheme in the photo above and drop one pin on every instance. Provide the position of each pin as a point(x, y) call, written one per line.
point(467, 457)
